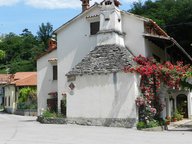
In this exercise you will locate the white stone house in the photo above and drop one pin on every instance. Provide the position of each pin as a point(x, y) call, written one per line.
point(92, 50)
point(47, 76)
point(11, 89)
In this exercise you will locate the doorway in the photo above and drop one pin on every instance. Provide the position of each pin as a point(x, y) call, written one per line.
point(182, 105)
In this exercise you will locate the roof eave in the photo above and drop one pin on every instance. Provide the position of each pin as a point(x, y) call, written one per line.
point(45, 53)
point(75, 18)
point(168, 38)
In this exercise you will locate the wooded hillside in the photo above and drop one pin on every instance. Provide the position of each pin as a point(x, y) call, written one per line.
point(21, 50)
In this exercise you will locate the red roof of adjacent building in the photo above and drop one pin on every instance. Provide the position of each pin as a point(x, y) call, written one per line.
point(4, 78)
point(25, 79)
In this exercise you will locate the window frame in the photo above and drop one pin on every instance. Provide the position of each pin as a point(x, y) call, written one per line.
point(94, 27)
point(55, 75)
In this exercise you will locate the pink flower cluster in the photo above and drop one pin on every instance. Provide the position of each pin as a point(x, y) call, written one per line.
point(153, 110)
point(140, 101)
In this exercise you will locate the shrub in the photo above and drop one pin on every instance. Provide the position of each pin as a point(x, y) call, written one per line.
point(141, 125)
point(177, 115)
point(25, 105)
point(48, 114)
point(152, 124)
point(22, 105)
point(161, 121)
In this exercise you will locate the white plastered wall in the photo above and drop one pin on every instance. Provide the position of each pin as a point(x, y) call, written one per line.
point(10, 95)
point(45, 82)
point(104, 96)
point(74, 43)
point(134, 30)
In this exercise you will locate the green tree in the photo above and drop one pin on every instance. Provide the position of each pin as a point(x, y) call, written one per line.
point(27, 98)
point(45, 33)
point(21, 52)
point(27, 93)
point(2, 54)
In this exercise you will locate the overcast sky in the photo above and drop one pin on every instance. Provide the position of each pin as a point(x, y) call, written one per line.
point(16, 15)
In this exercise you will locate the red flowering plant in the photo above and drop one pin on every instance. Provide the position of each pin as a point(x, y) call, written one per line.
point(186, 81)
point(152, 75)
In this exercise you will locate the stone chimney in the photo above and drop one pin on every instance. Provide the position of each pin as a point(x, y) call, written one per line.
point(117, 3)
point(85, 5)
point(52, 44)
point(110, 31)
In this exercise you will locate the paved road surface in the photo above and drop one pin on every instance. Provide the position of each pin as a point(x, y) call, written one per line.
point(25, 130)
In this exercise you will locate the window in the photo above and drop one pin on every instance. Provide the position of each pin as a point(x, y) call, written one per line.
point(94, 27)
point(9, 101)
point(54, 72)
point(5, 101)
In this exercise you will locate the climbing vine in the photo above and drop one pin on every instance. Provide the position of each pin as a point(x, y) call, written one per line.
point(153, 74)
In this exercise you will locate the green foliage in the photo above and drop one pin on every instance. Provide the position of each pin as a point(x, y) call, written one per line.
point(141, 125)
point(50, 114)
point(186, 82)
point(150, 124)
point(25, 105)
point(27, 93)
point(2, 54)
point(174, 16)
point(178, 115)
point(27, 98)
point(45, 33)
point(20, 52)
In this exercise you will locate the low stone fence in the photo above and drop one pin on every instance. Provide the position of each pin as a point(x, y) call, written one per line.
point(51, 120)
point(108, 122)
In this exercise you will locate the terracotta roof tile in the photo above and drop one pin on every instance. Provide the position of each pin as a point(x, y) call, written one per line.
point(25, 79)
point(4, 78)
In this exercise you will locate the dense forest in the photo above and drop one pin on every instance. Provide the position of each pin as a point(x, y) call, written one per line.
point(19, 52)
point(174, 16)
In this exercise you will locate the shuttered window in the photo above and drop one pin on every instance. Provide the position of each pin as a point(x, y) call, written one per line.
point(54, 72)
point(94, 27)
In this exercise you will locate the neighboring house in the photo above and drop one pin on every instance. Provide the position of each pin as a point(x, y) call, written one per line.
point(4, 79)
point(47, 77)
point(92, 50)
point(17, 81)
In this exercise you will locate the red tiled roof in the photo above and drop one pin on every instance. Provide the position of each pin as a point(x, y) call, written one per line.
point(25, 79)
point(4, 78)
